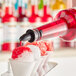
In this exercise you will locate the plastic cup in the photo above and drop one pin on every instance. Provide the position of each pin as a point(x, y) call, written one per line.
point(37, 63)
point(22, 68)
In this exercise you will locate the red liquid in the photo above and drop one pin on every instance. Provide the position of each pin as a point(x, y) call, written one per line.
point(21, 11)
point(46, 16)
point(8, 15)
point(71, 33)
point(33, 16)
point(21, 15)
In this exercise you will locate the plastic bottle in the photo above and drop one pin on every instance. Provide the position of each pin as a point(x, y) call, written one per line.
point(10, 30)
point(64, 27)
point(1, 34)
point(46, 18)
point(58, 6)
point(34, 13)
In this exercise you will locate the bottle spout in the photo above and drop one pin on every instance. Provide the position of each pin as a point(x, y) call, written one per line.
point(25, 37)
point(30, 35)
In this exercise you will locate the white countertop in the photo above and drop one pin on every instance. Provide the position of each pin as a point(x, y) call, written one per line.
point(66, 67)
point(66, 59)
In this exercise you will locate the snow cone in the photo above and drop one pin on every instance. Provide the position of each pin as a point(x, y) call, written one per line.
point(22, 61)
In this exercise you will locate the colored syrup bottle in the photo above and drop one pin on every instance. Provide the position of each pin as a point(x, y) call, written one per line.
point(32, 18)
point(1, 26)
point(58, 6)
point(38, 18)
point(21, 11)
point(23, 23)
point(1, 34)
point(40, 6)
point(16, 4)
point(0, 8)
point(22, 18)
point(34, 14)
point(64, 27)
point(46, 13)
point(9, 20)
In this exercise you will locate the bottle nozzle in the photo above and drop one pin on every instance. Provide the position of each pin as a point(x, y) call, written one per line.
point(30, 35)
point(25, 37)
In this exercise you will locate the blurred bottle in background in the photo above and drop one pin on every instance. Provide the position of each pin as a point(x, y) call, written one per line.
point(1, 24)
point(46, 17)
point(9, 27)
point(17, 17)
point(23, 23)
point(1, 8)
point(21, 11)
point(1, 34)
point(71, 4)
point(57, 6)
point(34, 13)
point(40, 6)
point(38, 17)
point(16, 5)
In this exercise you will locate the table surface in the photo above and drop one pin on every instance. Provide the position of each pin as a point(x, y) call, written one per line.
point(65, 58)
point(66, 67)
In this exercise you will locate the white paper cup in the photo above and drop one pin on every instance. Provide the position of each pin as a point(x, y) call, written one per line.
point(45, 65)
point(40, 69)
point(22, 68)
point(7, 74)
point(41, 72)
point(37, 63)
point(35, 74)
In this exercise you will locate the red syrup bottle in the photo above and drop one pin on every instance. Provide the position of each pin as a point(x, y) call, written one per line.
point(21, 11)
point(10, 30)
point(34, 14)
point(64, 27)
point(23, 23)
point(46, 18)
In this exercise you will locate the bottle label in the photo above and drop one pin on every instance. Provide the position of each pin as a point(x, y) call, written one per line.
point(10, 33)
point(1, 35)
